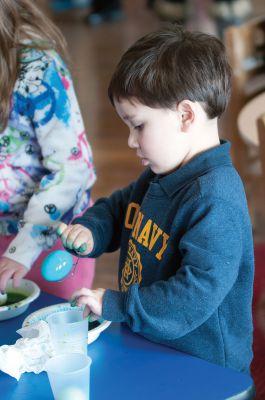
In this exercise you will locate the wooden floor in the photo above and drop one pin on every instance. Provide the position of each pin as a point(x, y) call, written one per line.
point(94, 53)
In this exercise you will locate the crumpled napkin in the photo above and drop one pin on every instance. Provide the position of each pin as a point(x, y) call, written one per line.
point(29, 353)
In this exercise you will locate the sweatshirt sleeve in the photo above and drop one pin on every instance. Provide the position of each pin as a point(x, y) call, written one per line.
point(105, 220)
point(46, 98)
point(209, 268)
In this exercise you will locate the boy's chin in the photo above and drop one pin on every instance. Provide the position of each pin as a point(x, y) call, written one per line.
point(157, 171)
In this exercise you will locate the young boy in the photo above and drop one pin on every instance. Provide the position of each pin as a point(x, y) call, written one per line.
point(183, 229)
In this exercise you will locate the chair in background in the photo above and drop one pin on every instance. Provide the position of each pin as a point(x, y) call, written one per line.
point(245, 46)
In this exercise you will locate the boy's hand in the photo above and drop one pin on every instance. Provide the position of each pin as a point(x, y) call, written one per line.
point(11, 269)
point(76, 237)
point(92, 299)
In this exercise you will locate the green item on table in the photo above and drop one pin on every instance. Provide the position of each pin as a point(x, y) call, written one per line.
point(14, 297)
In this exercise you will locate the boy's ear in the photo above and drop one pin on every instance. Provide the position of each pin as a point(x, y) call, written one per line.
point(186, 113)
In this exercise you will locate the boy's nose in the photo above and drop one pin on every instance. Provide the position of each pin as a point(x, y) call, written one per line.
point(132, 140)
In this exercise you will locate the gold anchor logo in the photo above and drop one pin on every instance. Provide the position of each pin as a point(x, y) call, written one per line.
point(132, 270)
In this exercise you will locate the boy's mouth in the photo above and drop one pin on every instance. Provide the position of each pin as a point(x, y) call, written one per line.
point(144, 161)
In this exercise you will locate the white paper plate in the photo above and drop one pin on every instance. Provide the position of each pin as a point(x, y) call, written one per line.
point(43, 313)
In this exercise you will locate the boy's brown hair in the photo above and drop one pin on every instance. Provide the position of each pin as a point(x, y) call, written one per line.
point(170, 65)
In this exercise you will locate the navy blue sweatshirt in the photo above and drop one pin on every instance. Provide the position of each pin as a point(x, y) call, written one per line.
point(186, 258)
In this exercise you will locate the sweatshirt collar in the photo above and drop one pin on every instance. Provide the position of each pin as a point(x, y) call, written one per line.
point(208, 160)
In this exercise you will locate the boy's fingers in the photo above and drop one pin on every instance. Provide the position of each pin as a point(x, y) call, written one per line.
point(70, 240)
point(72, 237)
point(83, 243)
point(86, 312)
point(92, 299)
point(85, 299)
point(75, 237)
point(69, 235)
point(83, 247)
point(72, 302)
point(61, 228)
point(81, 292)
point(64, 230)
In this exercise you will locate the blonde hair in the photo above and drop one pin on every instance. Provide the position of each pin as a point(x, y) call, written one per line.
point(21, 20)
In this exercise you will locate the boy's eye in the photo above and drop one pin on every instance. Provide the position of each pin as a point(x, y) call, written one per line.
point(139, 127)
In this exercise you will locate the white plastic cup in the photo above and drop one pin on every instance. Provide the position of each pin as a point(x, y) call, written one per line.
point(69, 331)
point(69, 376)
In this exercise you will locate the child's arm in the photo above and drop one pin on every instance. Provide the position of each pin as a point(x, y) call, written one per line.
point(62, 187)
point(211, 250)
point(105, 221)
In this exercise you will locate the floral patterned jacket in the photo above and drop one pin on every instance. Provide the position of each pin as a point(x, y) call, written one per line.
point(46, 167)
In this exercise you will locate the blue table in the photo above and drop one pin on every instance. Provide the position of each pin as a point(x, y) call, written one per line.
point(128, 367)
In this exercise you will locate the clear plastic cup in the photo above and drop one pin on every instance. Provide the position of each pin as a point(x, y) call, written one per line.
point(69, 331)
point(69, 376)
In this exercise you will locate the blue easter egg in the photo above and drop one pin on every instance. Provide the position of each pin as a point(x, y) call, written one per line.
point(56, 266)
